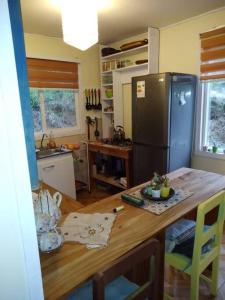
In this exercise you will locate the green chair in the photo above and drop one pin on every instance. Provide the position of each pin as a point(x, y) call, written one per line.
point(199, 262)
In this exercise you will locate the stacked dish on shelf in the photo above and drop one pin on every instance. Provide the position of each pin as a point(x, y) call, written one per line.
point(112, 62)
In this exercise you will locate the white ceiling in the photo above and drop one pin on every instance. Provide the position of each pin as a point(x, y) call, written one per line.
point(123, 18)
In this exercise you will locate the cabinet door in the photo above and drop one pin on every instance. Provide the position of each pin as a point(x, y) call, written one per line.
point(58, 172)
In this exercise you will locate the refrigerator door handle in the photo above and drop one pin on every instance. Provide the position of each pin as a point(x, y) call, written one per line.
point(165, 147)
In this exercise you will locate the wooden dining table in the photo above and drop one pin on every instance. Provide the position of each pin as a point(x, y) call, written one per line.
point(73, 263)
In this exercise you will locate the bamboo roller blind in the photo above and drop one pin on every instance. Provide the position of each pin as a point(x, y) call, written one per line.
point(44, 73)
point(213, 54)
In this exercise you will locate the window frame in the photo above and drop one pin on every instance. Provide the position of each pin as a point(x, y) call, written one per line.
point(201, 132)
point(211, 49)
point(70, 131)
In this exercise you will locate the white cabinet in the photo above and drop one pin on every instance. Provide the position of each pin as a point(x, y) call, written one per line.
point(58, 172)
point(118, 69)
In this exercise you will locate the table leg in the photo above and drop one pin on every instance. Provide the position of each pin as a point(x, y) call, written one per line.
point(161, 238)
point(128, 169)
point(91, 156)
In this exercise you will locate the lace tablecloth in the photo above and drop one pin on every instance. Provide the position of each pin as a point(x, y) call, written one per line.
point(93, 230)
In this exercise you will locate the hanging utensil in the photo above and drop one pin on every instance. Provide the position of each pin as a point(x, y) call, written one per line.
point(97, 133)
point(92, 99)
point(89, 98)
point(88, 126)
point(95, 94)
point(99, 107)
point(89, 122)
point(87, 103)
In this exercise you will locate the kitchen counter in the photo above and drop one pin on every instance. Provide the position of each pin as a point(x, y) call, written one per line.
point(51, 152)
point(124, 152)
point(113, 150)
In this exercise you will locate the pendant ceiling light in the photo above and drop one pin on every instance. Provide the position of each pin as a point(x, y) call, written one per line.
point(79, 23)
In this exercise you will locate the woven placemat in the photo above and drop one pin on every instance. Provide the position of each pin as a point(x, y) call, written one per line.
point(158, 207)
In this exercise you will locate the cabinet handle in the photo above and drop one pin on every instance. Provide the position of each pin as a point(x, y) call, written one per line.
point(49, 167)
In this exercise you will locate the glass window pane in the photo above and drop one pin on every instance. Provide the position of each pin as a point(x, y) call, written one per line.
point(216, 115)
point(60, 108)
point(36, 110)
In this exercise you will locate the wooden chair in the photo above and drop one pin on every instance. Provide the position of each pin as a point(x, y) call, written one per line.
point(110, 285)
point(199, 262)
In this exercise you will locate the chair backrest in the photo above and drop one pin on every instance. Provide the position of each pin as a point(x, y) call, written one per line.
point(150, 251)
point(213, 233)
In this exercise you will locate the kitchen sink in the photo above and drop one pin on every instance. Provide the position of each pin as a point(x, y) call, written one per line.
point(50, 152)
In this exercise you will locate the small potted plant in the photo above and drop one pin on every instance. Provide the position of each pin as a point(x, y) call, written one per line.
point(156, 190)
point(165, 189)
point(214, 148)
point(156, 185)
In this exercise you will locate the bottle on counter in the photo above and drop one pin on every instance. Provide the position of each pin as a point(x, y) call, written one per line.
point(51, 141)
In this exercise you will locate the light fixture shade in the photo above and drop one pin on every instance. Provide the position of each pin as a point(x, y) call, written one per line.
point(79, 23)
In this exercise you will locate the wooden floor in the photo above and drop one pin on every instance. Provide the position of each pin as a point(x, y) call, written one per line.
point(86, 198)
point(177, 284)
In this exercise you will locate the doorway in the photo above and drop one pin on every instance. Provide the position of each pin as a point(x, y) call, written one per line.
point(127, 109)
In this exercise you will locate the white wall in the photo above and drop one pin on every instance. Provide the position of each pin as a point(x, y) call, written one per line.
point(54, 48)
point(180, 44)
point(180, 52)
point(19, 257)
point(39, 46)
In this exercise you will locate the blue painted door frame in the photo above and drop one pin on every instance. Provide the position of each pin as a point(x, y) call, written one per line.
point(21, 65)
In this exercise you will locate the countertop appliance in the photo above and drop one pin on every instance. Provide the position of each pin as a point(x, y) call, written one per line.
point(163, 119)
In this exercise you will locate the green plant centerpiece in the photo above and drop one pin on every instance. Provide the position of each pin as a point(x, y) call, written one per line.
point(159, 186)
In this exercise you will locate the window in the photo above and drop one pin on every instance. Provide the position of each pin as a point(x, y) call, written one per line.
point(214, 96)
point(212, 136)
point(54, 96)
point(53, 108)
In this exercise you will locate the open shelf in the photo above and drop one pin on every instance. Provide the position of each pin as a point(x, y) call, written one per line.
point(107, 84)
point(125, 53)
point(132, 67)
point(107, 99)
point(110, 72)
point(107, 72)
point(109, 179)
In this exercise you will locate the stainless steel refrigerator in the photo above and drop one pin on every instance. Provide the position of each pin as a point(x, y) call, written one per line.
point(162, 123)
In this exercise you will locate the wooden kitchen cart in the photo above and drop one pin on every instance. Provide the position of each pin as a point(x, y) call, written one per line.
point(124, 152)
